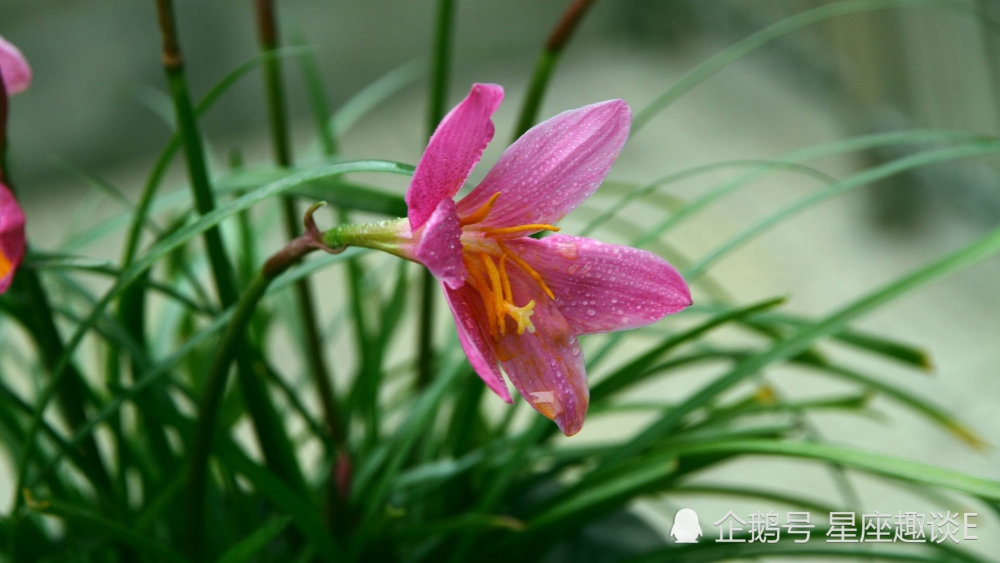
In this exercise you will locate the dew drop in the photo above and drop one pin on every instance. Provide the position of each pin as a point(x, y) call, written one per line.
point(591, 312)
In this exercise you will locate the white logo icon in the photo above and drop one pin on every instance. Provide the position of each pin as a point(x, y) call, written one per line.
point(686, 528)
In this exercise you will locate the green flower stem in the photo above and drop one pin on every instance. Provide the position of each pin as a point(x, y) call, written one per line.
point(437, 100)
point(173, 64)
point(215, 384)
point(268, 426)
point(209, 410)
point(381, 235)
point(546, 63)
point(267, 33)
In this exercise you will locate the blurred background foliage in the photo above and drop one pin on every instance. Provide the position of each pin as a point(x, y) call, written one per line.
point(448, 472)
point(883, 69)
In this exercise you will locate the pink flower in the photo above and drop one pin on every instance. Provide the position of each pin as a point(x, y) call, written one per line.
point(11, 236)
point(15, 70)
point(521, 302)
point(14, 77)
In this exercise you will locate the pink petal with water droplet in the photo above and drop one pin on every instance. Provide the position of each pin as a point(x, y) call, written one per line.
point(440, 247)
point(553, 167)
point(603, 287)
point(470, 317)
point(452, 152)
point(546, 366)
point(14, 67)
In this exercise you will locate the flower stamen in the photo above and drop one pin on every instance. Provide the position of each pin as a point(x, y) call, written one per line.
point(482, 287)
point(490, 280)
point(527, 269)
point(497, 286)
point(517, 230)
point(507, 294)
point(480, 213)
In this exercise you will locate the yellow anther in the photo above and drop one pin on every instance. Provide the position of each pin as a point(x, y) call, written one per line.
point(527, 269)
point(497, 287)
point(502, 231)
point(522, 315)
point(480, 213)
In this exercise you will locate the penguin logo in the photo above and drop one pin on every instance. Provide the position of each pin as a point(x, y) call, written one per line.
point(686, 528)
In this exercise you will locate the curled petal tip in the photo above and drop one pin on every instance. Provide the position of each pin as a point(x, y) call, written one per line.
point(571, 428)
point(452, 151)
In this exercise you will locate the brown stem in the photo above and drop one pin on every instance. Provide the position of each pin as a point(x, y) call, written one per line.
point(172, 58)
point(567, 25)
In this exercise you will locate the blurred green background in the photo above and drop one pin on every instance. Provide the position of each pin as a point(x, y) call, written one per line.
point(97, 102)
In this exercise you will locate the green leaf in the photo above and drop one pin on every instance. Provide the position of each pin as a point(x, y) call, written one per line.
point(759, 168)
point(933, 412)
point(804, 337)
point(856, 181)
point(615, 489)
point(83, 516)
point(253, 544)
point(875, 463)
point(705, 70)
point(636, 370)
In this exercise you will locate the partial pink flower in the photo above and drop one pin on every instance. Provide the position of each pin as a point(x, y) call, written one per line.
point(15, 75)
point(11, 237)
point(520, 303)
point(14, 68)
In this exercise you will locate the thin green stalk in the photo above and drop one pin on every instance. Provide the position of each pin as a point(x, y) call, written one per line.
point(215, 384)
point(546, 63)
point(208, 413)
point(268, 426)
point(201, 188)
point(437, 100)
point(313, 343)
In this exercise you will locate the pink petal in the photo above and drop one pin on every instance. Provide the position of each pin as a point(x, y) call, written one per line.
point(454, 148)
point(553, 167)
point(546, 366)
point(467, 307)
point(604, 287)
point(14, 68)
point(11, 237)
point(440, 247)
